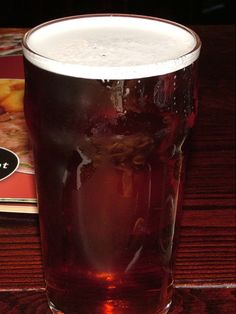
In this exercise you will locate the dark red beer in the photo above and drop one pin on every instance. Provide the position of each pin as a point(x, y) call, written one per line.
point(109, 163)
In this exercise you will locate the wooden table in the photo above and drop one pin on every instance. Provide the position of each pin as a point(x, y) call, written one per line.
point(206, 261)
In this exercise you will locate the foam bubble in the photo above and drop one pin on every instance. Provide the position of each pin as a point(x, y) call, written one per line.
point(111, 47)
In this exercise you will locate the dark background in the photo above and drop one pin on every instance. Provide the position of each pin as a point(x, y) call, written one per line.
point(28, 13)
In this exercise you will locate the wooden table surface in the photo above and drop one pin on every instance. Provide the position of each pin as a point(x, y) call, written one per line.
point(205, 276)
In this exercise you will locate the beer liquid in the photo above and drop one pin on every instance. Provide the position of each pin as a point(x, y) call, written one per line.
point(108, 162)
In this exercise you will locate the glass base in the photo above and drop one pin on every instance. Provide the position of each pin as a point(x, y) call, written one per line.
point(54, 309)
point(160, 311)
point(164, 310)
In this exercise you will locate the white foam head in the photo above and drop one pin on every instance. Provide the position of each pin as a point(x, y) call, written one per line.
point(111, 46)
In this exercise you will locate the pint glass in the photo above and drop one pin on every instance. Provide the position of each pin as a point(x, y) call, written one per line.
point(109, 102)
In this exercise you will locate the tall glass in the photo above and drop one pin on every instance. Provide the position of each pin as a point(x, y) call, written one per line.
point(109, 102)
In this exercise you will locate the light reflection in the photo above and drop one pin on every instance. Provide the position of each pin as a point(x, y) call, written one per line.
point(115, 307)
point(105, 276)
point(108, 308)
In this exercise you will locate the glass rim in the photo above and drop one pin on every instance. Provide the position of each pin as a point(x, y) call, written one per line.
point(180, 62)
